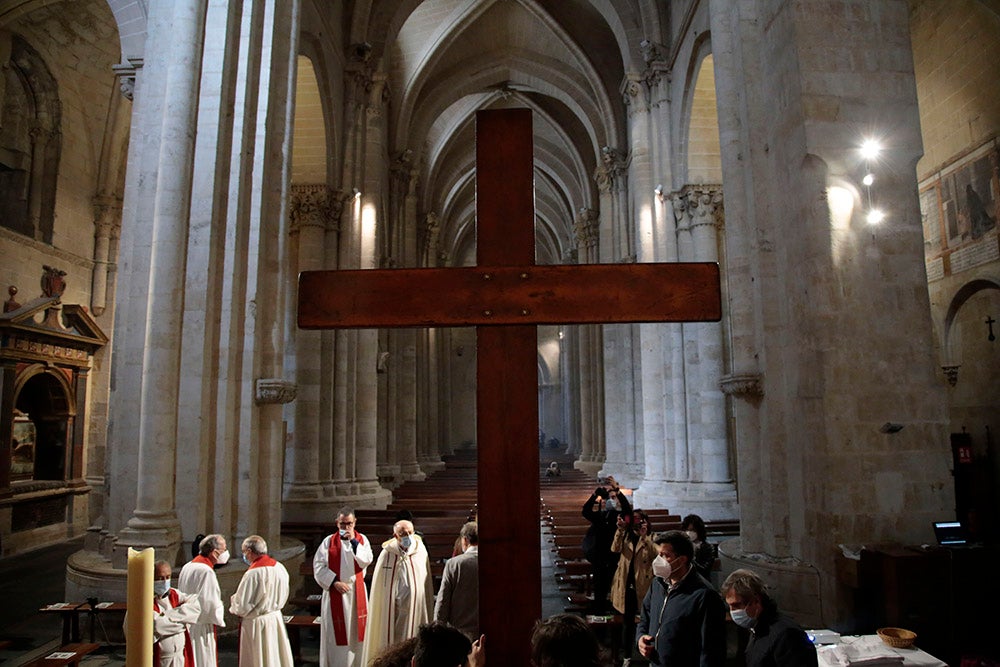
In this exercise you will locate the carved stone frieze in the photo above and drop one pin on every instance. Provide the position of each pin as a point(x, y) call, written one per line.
point(272, 391)
point(125, 73)
point(747, 386)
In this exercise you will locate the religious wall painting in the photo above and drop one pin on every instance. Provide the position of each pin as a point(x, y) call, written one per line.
point(22, 460)
point(960, 207)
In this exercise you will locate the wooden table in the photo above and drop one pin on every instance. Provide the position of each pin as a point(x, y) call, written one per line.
point(76, 653)
point(294, 625)
point(70, 612)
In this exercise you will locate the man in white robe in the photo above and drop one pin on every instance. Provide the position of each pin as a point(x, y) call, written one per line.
point(402, 595)
point(258, 600)
point(173, 614)
point(198, 578)
point(339, 569)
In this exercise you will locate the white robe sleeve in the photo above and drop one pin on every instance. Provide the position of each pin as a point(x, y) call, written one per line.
point(322, 573)
point(363, 554)
point(247, 597)
point(200, 580)
point(175, 621)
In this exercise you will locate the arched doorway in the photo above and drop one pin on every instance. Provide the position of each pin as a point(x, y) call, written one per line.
point(44, 408)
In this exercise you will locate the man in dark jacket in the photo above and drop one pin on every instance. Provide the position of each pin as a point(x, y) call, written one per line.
point(602, 510)
point(683, 618)
point(775, 640)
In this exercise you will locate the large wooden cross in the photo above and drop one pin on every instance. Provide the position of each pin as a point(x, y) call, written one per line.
point(505, 297)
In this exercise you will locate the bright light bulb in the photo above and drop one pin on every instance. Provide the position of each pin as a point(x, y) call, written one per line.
point(870, 149)
point(875, 216)
point(868, 179)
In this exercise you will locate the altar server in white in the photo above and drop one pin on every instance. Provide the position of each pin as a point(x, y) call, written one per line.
point(339, 569)
point(173, 615)
point(258, 600)
point(197, 577)
point(402, 595)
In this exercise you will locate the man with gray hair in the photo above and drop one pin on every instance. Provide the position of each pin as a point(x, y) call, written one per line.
point(402, 593)
point(458, 597)
point(258, 600)
point(775, 639)
point(198, 578)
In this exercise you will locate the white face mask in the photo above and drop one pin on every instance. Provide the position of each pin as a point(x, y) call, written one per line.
point(692, 535)
point(161, 587)
point(661, 567)
point(222, 558)
point(742, 618)
point(343, 534)
point(611, 505)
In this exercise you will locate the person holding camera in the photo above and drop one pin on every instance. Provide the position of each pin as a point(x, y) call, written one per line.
point(634, 542)
point(602, 510)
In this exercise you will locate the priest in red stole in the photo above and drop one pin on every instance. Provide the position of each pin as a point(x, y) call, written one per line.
point(402, 595)
point(339, 569)
point(173, 614)
point(258, 600)
point(198, 578)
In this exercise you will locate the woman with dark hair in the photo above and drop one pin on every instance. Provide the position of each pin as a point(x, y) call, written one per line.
point(633, 541)
point(704, 553)
point(565, 640)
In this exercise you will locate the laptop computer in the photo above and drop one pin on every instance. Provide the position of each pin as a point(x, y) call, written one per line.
point(950, 533)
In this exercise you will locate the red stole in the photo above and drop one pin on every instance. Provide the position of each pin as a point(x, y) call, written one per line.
point(263, 561)
point(175, 601)
point(336, 605)
point(204, 561)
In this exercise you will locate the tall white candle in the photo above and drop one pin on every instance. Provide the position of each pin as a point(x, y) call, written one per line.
point(139, 634)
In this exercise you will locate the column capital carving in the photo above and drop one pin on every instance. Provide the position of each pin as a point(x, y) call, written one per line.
point(431, 233)
point(657, 68)
point(634, 94)
point(274, 391)
point(125, 73)
point(315, 205)
point(697, 205)
point(378, 94)
point(747, 386)
point(586, 227)
point(610, 173)
point(107, 216)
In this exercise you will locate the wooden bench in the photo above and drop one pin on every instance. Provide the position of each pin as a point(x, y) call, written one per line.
point(69, 654)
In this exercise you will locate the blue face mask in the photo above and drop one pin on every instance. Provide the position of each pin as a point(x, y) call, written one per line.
point(245, 559)
point(742, 618)
point(405, 541)
point(161, 587)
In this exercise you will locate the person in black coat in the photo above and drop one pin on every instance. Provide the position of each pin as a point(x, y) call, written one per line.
point(602, 510)
point(683, 619)
point(775, 639)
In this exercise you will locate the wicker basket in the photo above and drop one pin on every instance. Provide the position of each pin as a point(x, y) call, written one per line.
point(897, 637)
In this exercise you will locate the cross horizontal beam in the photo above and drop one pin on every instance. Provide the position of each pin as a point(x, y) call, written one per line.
point(504, 295)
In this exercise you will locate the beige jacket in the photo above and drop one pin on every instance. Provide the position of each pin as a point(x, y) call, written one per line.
point(643, 553)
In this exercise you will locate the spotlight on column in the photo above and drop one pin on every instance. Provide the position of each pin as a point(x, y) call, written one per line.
point(658, 190)
point(357, 193)
point(875, 216)
point(868, 179)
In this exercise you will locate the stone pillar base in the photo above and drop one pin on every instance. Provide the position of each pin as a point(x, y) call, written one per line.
point(430, 466)
point(589, 467)
point(795, 584)
point(89, 574)
point(628, 475)
point(412, 473)
point(144, 530)
point(712, 501)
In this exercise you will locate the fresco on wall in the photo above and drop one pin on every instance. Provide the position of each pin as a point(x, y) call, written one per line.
point(960, 206)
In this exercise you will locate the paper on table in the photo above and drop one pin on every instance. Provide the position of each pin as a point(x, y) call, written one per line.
point(60, 655)
point(103, 605)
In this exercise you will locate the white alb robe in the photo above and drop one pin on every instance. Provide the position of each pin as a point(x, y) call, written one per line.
point(198, 578)
point(401, 597)
point(330, 654)
point(258, 600)
point(169, 624)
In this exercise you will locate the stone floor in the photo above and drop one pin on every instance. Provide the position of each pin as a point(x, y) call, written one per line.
point(30, 581)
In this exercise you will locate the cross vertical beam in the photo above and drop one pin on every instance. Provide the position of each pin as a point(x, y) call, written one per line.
point(510, 575)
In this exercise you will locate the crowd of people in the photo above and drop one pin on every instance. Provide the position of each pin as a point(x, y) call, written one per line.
point(658, 581)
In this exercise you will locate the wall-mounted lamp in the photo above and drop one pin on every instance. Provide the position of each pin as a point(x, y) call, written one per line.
point(891, 427)
point(658, 190)
point(357, 193)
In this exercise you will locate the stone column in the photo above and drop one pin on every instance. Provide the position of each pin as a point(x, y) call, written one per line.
point(154, 520)
point(587, 344)
point(314, 211)
point(835, 362)
point(107, 229)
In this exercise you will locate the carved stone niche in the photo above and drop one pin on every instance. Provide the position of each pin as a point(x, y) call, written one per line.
point(271, 391)
point(46, 349)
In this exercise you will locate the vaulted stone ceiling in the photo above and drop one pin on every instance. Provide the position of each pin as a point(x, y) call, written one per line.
point(445, 59)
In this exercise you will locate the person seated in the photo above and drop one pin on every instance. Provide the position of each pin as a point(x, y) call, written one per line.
point(704, 552)
point(565, 640)
point(442, 645)
point(553, 470)
point(775, 639)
